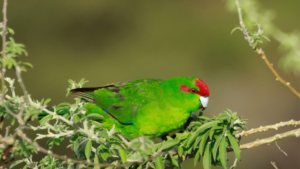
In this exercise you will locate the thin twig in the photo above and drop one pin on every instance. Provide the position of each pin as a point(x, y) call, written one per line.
point(235, 161)
point(278, 78)
point(18, 73)
point(265, 128)
point(261, 52)
point(274, 165)
point(281, 149)
point(4, 25)
point(243, 27)
point(268, 140)
point(7, 131)
point(1, 124)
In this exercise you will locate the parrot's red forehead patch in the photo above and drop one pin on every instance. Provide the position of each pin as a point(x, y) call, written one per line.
point(203, 87)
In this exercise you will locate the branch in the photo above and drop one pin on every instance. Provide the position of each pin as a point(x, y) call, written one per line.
point(4, 25)
point(261, 52)
point(265, 128)
point(274, 165)
point(278, 78)
point(86, 162)
point(3, 55)
point(18, 73)
point(268, 140)
point(1, 124)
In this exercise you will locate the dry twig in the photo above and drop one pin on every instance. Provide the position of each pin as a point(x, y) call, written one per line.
point(268, 140)
point(265, 128)
point(274, 165)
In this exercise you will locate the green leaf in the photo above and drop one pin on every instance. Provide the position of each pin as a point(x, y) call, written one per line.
point(76, 119)
point(223, 153)
point(170, 143)
point(104, 134)
point(45, 119)
point(234, 29)
point(159, 163)
point(59, 140)
point(197, 157)
point(28, 64)
point(207, 157)
point(10, 31)
point(216, 146)
point(211, 134)
point(10, 63)
point(234, 145)
point(201, 129)
point(103, 151)
point(88, 149)
point(13, 120)
point(16, 163)
point(95, 116)
point(97, 124)
point(96, 161)
point(180, 151)
point(50, 142)
point(47, 101)
point(197, 141)
point(174, 161)
point(122, 155)
point(203, 142)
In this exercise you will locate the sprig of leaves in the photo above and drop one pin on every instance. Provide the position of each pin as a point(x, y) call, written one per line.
point(254, 37)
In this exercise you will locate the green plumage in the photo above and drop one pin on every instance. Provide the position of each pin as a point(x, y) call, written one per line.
point(143, 107)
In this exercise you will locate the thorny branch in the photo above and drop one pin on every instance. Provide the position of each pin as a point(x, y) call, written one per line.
point(261, 52)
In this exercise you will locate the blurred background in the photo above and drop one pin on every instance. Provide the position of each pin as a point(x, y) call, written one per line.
point(110, 41)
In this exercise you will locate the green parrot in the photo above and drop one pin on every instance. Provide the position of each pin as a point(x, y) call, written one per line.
point(149, 107)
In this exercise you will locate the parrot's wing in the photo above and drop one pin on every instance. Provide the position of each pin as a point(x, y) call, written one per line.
point(121, 100)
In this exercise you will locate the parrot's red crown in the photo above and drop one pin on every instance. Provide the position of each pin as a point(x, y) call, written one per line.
point(204, 91)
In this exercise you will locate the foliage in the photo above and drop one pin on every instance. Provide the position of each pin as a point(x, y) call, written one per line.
point(207, 137)
point(90, 141)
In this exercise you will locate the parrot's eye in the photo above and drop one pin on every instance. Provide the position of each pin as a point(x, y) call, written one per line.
point(193, 90)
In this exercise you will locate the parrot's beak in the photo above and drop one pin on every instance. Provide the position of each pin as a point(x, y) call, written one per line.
point(204, 101)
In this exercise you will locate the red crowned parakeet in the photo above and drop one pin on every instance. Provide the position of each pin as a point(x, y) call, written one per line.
point(148, 107)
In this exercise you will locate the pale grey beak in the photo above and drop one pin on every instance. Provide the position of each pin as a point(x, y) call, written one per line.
point(204, 101)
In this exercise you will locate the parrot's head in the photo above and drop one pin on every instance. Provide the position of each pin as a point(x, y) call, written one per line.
point(199, 90)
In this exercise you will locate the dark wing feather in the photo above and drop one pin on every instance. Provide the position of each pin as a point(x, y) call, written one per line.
point(86, 93)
